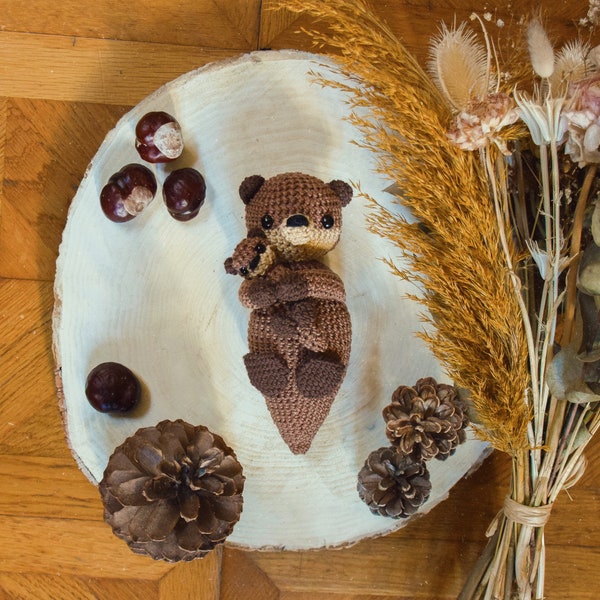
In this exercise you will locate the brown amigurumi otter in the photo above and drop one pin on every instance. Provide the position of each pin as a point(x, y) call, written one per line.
point(299, 332)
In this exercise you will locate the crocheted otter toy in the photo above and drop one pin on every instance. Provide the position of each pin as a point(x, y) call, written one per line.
point(299, 331)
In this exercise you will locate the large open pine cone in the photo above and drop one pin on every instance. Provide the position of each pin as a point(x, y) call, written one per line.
point(393, 484)
point(426, 421)
point(173, 491)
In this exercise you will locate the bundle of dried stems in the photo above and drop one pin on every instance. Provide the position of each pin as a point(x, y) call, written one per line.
point(497, 182)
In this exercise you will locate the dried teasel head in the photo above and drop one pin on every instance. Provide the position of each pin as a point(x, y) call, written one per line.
point(573, 62)
point(173, 491)
point(459, 65)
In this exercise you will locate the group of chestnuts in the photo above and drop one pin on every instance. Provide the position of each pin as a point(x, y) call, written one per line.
point(158, 139)
point(112, 387)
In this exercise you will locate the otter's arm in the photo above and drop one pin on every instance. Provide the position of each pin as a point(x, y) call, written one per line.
point(309, 279)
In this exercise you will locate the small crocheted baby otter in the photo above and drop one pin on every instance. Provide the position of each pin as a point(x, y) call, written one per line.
point(299, 331)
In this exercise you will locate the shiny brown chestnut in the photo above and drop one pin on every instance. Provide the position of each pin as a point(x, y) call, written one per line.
point(158, 137)
point(128, 192)
point(184, 191)
point(111, 387)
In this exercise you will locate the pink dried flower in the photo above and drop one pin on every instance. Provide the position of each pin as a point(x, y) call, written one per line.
point(581, 119)
point(481, 121)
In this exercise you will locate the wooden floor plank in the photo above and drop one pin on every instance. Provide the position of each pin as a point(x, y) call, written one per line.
point(91, 70)
point(60, 489)
point(70, 547)
point(196, 580)
point(44, 160)
point(24, 586)
point(404, 566)
point(104, 588)
point(30, 423)
point(232, 24)
point(343, 596)
point(242, 578)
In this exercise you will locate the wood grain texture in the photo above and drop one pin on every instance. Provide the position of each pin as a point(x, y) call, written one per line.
point(93, 70)
point(218, 23)
point(66, 76)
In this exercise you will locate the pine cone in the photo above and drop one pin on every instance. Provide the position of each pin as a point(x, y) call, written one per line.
point(426, 421)
point(392, 484)
point(173, 491)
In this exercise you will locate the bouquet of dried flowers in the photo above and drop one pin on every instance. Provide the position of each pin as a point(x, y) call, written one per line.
point(496, 163)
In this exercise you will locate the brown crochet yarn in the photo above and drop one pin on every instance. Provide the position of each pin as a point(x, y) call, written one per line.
point(300, 215)
point(299, 331)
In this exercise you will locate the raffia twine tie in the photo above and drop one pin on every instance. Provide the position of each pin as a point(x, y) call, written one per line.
point(534, 516)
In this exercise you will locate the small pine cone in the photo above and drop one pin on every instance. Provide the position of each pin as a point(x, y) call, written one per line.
point(392, 484)
point(426, 421)
point(173, 491)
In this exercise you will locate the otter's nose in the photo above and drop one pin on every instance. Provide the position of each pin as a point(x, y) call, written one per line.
point(297, 221)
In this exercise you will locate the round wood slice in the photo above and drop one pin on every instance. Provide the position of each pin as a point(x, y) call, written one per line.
point(153, 294)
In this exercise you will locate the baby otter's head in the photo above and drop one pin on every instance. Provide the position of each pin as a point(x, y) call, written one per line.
point(252, 257)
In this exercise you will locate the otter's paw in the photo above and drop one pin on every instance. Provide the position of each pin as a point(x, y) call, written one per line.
point(282, 324)
point(319, 374)
point(267, 372)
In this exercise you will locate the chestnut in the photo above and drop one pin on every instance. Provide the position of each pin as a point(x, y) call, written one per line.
point(111, 387)
point(128, 192)
point(158, 137)
point(184, 191)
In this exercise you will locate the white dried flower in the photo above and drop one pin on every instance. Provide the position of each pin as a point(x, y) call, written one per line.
point(543, 119)
point(541, 52)
point(482, 120)
point(545, 260)
point(593, 14)
point(593, 57)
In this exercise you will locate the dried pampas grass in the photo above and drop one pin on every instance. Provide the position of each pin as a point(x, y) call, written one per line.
point(451, 250)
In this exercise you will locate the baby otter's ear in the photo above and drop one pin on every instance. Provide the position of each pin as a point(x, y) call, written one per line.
point(250, 186)
point(229, 268)
point(342, 190)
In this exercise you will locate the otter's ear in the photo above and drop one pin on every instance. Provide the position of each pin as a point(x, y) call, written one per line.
point(342, 190)
point(250, 186)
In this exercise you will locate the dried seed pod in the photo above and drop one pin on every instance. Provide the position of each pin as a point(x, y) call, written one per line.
point(426, 421)
point(173, 491)
point(392, 484)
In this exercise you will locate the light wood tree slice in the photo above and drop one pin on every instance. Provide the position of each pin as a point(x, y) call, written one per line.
point(153, 294)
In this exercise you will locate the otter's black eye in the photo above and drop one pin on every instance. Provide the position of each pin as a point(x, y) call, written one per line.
point(260, 248)
point(327, 221)
point(244, 270)
point(267, 222)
